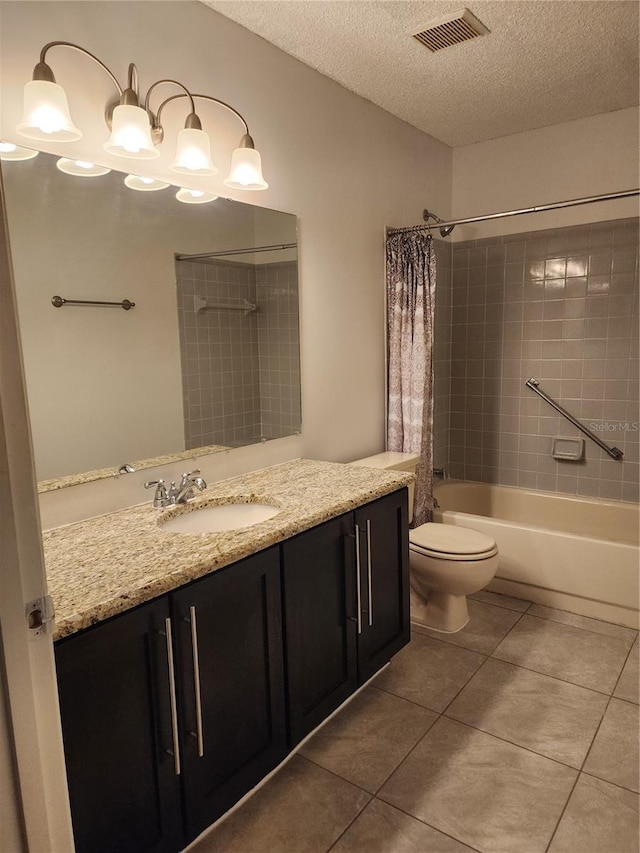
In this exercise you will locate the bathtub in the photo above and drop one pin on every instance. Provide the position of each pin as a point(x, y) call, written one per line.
point(574, 553)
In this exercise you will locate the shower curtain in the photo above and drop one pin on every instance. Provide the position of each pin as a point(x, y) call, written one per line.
point(411, 283)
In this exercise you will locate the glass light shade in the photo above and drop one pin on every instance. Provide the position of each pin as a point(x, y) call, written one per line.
point(246, 170)
point(193, 153)
point(81, 168)
point(46, 113)
point(144, 185)
point(194, 196)
point(131, 134)
point(9, 151)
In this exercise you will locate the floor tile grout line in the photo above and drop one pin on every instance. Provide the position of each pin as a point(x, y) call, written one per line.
point(592, 775)
point(492, 655)
point(337, 775)
point(350, 824)
point(404, 699)
point(388, 776)
point(448, 642)
point(426, 823)
point(464, 686)
point(417, 704)
point(548, 675)
point(562, 813)
point(626, 661)
point(586, 758)
point(580, 628)
point(443, 639)
point(511, 743)
point(502, 606)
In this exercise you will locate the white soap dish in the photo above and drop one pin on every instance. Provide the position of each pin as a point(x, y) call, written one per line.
point(568, 449)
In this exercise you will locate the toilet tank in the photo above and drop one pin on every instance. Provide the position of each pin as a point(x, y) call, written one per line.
point(393, 460)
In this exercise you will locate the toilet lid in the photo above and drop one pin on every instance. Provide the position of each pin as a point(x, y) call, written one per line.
point(448, 541)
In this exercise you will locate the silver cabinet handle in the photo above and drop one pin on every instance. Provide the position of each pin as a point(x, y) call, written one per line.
point(196, 679)
point(358, 582)
point(172, 694)
point(369, 583)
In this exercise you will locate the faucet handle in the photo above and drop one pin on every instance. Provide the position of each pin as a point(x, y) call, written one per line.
point(151, 483)
point(160, 499)
point(186, 477)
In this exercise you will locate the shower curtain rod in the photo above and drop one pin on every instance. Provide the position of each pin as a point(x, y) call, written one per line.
point(574, 202)
point(276, 248)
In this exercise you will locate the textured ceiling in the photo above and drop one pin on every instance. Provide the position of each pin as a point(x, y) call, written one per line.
point(544, 61)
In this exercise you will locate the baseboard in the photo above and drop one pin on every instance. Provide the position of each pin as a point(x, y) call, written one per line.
point(627, 616)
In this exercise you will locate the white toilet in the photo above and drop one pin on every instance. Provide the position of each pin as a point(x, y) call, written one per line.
point(446, 562)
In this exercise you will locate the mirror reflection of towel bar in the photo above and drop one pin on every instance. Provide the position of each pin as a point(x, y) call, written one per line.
point(58, 302)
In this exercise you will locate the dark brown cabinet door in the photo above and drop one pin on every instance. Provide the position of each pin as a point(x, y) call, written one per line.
point(232, 691)
point(320, 627)
point(113, 683)
point(384, 581)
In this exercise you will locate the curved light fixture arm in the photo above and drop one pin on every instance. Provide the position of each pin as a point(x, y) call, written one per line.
point(206, 98)
point(44, 72)
point(185, 94)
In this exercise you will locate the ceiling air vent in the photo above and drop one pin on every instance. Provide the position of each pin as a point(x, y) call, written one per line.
point(452, 29)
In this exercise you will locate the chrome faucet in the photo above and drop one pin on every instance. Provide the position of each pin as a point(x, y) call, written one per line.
point(180, 494)
point(184, 492)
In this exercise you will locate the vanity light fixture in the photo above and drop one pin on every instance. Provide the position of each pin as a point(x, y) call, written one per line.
point(136, 131)
point(9, 151)
point(194, 196)
point(81, 168)
point(143, 184)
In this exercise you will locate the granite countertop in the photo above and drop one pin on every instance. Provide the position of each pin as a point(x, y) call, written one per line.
point(106, 565)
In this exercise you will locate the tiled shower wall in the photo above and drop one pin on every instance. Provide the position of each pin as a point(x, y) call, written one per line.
point(442, 355)
point(240, 373)
point(219, 349)
point(560, 306)
point(278, 346)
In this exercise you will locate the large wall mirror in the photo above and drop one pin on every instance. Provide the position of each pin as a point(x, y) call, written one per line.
point(207, 358)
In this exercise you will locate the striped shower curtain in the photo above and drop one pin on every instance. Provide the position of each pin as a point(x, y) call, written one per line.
point(411, 284)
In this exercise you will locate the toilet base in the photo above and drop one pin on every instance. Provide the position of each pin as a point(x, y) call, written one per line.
point(441, 612)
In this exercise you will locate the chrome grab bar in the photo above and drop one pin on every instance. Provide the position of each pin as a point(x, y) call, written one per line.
point(614, 452)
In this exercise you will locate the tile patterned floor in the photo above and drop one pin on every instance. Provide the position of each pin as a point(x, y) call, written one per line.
point(519, 734)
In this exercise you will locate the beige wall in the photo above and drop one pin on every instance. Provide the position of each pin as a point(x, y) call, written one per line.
point(590, 156)
point(344, 166)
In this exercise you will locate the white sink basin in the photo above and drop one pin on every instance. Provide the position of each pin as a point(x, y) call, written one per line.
point(215, 519)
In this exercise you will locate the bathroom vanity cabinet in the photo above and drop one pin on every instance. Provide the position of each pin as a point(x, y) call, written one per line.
point(346, 606)
point(172, 711)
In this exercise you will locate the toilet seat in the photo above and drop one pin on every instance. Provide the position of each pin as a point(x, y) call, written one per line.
point(449, 542)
